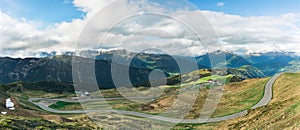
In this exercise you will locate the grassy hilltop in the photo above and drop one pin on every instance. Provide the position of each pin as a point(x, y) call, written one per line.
point(281, 112)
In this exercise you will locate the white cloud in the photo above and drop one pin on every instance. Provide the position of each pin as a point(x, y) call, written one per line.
point(220, 4)
point(257, 33)
point(21, 38)
point(19, 35)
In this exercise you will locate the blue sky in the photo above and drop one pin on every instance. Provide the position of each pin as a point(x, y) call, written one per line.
point(251, 7)
point(55, 11)
point(45, 11)
point(55, 25)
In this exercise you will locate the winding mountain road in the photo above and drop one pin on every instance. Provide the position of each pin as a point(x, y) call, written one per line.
point(264, 101)
point(268, 93)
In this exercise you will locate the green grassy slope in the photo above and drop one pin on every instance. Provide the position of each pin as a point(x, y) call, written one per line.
point(283, 112)
point(18, 123)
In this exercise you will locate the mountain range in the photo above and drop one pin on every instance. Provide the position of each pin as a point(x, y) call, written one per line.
point(58, 68)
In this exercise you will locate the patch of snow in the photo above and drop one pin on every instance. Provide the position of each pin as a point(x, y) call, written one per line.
point(9, 104)
point(3, 113)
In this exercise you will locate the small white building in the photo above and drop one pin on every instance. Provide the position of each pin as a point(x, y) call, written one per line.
point(82, 93)
point(9, 104)
point(86, 93)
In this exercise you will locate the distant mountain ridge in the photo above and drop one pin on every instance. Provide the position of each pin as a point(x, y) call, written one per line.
point(272, 62)
point(59, 68)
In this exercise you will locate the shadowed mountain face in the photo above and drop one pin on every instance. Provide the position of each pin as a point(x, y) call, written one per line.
point(35, 69)
point(59, 68)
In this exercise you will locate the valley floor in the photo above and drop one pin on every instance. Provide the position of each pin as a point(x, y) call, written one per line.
point(281, 112)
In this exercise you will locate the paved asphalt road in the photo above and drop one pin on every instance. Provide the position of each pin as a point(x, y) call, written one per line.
point(268, 94)
point(264, 101)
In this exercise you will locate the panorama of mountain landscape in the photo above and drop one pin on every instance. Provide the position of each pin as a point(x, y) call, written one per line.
point(149, 64)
